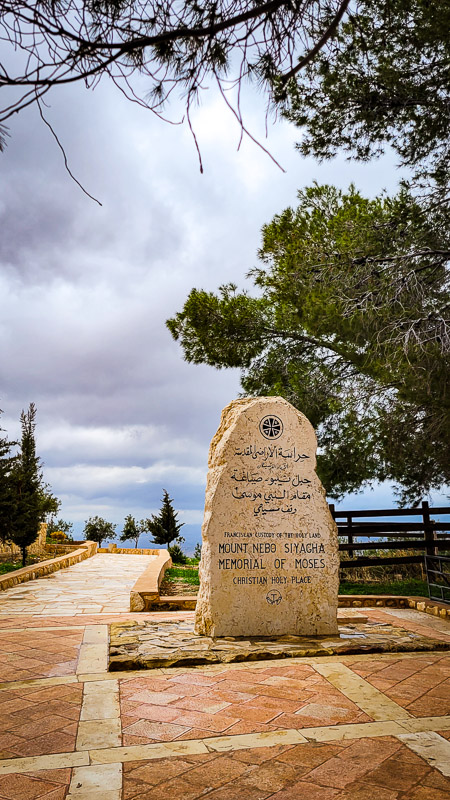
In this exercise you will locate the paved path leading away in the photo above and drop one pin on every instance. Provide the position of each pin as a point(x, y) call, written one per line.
point(100, 584)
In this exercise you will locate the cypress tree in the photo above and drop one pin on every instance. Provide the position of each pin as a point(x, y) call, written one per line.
point(6, 492)
point(26, 483)
point(164, 527)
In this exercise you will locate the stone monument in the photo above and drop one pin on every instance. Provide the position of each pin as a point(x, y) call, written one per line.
point(269, 563)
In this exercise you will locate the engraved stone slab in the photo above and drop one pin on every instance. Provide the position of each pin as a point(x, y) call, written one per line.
point(269, 543)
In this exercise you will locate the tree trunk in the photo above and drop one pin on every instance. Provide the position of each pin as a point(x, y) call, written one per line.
point(24, 555)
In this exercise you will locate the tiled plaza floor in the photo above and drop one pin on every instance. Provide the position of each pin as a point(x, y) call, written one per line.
point(197, 705)
point(365, 769)
point(360, 727)
point(39, 720)
point(30, 654)
point(421, 685)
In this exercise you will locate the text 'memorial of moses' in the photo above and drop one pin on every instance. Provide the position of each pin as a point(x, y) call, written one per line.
point(270, 561)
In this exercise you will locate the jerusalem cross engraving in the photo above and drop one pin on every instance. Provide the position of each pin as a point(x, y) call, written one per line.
point(269, 544)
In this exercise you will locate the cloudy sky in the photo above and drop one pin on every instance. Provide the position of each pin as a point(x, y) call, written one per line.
point(85, 290)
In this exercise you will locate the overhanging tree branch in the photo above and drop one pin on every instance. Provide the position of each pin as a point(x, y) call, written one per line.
point(173, 44)
point(331, 30)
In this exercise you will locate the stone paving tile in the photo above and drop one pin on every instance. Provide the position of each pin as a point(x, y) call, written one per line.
point(437, 623)
point(420, 684)
point(193, 705)
point(26, 655)
point(381, 768)
point(39, 720)
point(42, 785)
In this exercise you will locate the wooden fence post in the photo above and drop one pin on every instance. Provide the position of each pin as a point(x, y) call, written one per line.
point(430, 533)
point(350, 537)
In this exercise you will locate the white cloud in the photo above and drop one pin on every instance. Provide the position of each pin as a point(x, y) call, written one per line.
point(101, 481)
point(139, 443)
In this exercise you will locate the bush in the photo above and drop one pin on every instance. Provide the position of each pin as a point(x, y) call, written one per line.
point(59, 536)
point(56, 526)
point(177, 554)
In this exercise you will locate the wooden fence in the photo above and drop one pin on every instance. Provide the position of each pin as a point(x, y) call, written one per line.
point(428, 536)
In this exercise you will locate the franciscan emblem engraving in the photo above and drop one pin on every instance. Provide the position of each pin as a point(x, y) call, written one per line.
point(274, 597)
point(271, 427)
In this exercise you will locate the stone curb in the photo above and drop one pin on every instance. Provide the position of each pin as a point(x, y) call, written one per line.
point(434, 607)
point(145, 592)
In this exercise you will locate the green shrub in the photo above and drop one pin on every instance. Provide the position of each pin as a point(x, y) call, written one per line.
point(176, 554)
point(9, 566)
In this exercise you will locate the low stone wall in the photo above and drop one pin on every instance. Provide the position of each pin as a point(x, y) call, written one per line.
point(424, 604)
point(129, 551)
point(25, 574)
point(433, 607)
point(61, 549)
point(10, 550)
point(373, 600)
point(145, 592)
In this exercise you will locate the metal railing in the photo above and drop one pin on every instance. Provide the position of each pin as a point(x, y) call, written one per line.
point(438, 577)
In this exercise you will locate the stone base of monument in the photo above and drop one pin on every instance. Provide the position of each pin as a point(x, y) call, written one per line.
point(150, 645)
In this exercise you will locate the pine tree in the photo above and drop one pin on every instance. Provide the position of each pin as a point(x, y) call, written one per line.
point(350, 323)
point(6, 489)
point(26, 486)
point(165, 527)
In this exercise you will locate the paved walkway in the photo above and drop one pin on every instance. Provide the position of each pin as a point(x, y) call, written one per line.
point(362, 727)
point(99, 584)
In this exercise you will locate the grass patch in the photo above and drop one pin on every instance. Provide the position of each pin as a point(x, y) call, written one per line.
point(9, 567)
point(182, 575)
point(409, 586)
